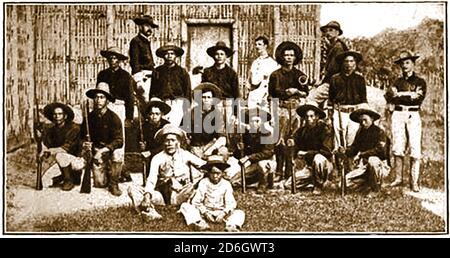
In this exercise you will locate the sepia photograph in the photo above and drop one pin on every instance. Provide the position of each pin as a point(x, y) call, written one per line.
point(225, 118)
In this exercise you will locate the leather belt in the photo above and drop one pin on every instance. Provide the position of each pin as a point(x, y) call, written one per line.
point(347, 109)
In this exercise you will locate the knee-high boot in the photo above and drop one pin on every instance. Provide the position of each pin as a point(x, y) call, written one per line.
point(398, 168)
point(415, 173)
point(116, 168)
point(67, 174)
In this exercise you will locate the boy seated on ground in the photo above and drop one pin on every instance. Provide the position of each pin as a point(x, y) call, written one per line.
point(213, 200)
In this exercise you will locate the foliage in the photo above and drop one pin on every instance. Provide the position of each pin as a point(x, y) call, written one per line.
point(426, 39)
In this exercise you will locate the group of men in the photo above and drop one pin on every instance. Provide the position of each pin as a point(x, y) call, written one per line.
point(192, 158)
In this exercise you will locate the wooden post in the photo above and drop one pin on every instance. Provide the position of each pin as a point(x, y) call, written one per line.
point(110, 17)
point(276, 26)
point(318, 42)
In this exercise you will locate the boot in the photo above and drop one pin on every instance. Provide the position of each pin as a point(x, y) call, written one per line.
point(262, 183)
point(415, 172)
point(57, 181)
point(125, 177)
point(116, 168)
point(76, 177)
point(68, 184)
point(398, 168)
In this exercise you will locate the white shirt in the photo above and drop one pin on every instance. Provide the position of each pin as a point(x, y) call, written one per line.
point(176, 166)
point(214, 197)
point(261, 69)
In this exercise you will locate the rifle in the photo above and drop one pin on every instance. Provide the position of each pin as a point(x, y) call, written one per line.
point(86, 183)
point(144, 162)
point(341, 163)
point(38, 138)
point(241, 148)
point(289, 155)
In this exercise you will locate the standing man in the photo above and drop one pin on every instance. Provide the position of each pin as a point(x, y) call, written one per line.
point(335, 47)
point(171, 83)
point(106, 134)
point(121, 85)
point(288, 84)
point(141, 56)
point(347, 89)
point(313, 145)
point(407, 94)
point(61, 140)
point(260, 71)
point(370, 153)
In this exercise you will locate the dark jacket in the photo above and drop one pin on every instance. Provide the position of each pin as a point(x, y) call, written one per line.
point(314, 140)
point(411, 84)
point(149, 130)
point(105, 130)
point(141, 57)
point(197, 134)
point(226, 79)
point(66, 137)
point(348, 90)
point(254, 149)
point(170, 83)
point(280, 80)
point(121, 86)
point(331, 66)
point(370, 142)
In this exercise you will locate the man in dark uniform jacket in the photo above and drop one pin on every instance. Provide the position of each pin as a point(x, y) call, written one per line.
point(205, 141)
point(141, 57)
point(62, 141)
point(154, 121)
point(171, 83)
point(335, 47)
point(313, 145)
point(284, 84)
point(121, 84)
point(106, 135)
point(407, 94)
point(369, 151)
point(347, 89)
point(253, 153)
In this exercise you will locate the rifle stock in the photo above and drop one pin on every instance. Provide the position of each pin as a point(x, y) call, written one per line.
point(341, 163)
point(38, 139)
point(86, 183)
point(144, 162)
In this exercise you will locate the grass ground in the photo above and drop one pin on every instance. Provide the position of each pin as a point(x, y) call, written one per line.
point(387, 211)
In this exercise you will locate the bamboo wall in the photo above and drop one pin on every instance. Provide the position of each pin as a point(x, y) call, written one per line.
point(57, 47)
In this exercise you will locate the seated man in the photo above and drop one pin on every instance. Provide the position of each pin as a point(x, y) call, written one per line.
point(61, 140)
point(204, 141)
point(155, 110)
point(313, 143)
point(257, 157)
point(213, 200)
point(173, 173)
point(106, 140)
point(370, 151)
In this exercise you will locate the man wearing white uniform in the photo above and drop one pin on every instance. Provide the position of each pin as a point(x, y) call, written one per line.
point(260, 72)
point(407, 95)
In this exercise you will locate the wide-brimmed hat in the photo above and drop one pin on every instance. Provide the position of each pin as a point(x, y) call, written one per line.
point(169, 129)
point(157, 102)
point(160, 52)
point(311, 105)
point(145, 19)
point(215, 161)
point(404, 55)
point(258, 112)
point(208, 86)
point(50, 108)
point(279, 52)
point(113, 51)
point(220, 45)
point(364, 109)
point(102, 87)
point(340, 58)
point(332, 24)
